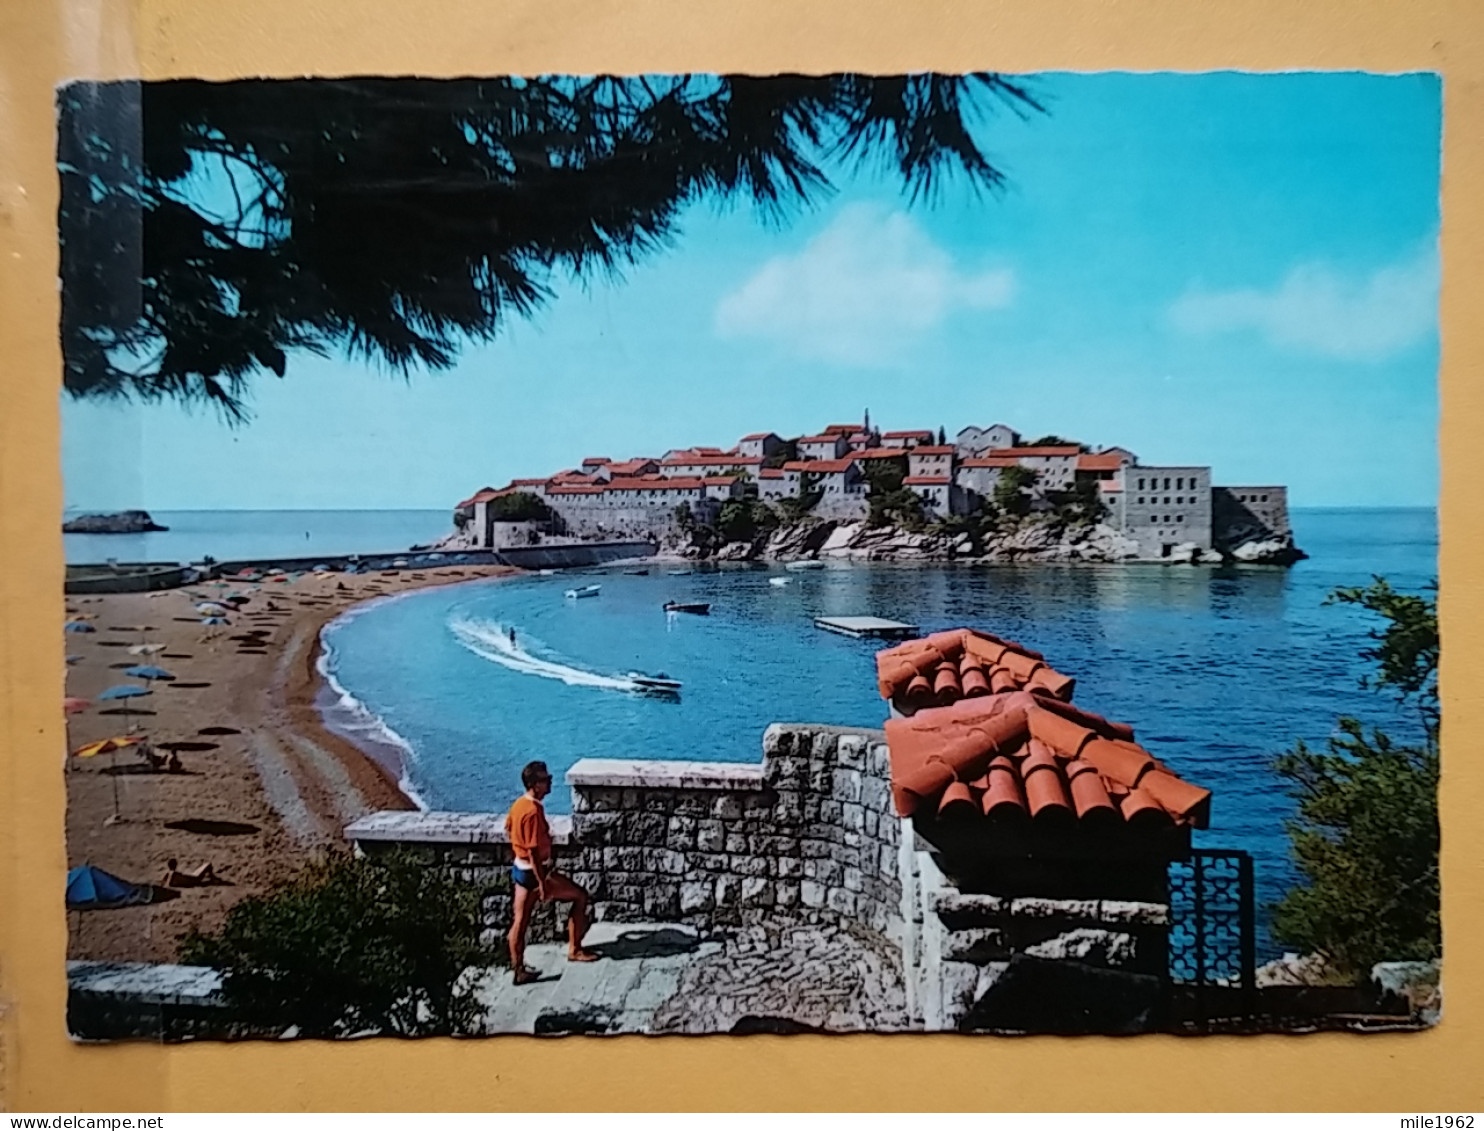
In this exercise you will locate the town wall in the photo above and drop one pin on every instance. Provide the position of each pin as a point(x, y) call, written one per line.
point(1249, 514)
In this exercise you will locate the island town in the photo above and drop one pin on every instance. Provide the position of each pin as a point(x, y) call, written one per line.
point(916, 479)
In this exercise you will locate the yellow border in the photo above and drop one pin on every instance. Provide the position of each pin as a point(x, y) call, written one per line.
point(44, 41)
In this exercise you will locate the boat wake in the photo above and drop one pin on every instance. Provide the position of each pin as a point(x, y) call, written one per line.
point(491, 641)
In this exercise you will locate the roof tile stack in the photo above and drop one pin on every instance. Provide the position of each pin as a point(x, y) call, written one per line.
point(990, 734)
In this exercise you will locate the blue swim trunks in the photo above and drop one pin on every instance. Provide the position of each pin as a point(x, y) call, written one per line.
point(526, 878)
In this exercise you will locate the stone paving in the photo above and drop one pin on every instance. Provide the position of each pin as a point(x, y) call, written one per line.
point(664, 978)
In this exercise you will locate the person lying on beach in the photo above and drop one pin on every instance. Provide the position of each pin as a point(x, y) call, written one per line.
point(176, 877)
point(533, 878)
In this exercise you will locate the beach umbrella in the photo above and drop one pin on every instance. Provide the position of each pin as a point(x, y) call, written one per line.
point(107, 745)
point(125, 692)
point(148, 672)
point(78, 626)
point(110, 746)
point(145, 649)
point(93, 889)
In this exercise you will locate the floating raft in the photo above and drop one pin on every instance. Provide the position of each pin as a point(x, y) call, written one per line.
point(863, 627)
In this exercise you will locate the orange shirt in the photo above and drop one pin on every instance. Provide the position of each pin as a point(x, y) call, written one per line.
point(525, 825)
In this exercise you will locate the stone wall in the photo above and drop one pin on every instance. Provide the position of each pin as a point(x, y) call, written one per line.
point(806, 833)
point(967, 958)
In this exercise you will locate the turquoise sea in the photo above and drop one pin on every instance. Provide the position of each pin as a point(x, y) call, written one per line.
point(1217, 668)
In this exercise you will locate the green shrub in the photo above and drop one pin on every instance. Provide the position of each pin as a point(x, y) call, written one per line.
point(353, 946)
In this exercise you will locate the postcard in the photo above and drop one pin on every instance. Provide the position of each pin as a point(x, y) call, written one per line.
point(696, 553)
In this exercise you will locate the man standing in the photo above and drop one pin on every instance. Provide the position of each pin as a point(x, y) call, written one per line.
point(532, 877)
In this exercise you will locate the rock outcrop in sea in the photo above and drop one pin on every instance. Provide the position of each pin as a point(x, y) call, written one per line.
point(1032, 540)
point(121, 522)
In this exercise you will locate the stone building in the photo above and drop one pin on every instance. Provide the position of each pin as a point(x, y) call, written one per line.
point(1055, 465)
point(826, 446)
point(1166, 508)
point(774, 483)
point(760, 444)
point(1249, 516)
point(931, 459)
point(907, 439)
point(940, 498)
point(841, 487)
point(974, 441)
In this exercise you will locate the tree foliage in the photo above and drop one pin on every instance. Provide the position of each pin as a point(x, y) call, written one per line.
point(744, 520)
point(1366, 834)
point(518, 506)
point(352, 946)
point(210, 229)
point(1010, 489)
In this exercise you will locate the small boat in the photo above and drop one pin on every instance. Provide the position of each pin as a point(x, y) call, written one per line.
point(807, 564)
point(585, 591)
point(637, 572)
point(679, 572)
point(778, 582)
point(546, 573)
point(659, 683)
point(698, 608)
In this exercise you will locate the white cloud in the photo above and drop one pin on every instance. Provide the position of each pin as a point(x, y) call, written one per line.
point(1318, 310)
point(859, 291)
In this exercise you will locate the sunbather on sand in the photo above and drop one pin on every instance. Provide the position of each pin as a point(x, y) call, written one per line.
point(175, 877)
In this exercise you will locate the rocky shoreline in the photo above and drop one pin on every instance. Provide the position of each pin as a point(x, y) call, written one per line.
point(1028, 541)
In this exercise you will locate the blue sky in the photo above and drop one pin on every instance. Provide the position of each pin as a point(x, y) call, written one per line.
point(1234, 270)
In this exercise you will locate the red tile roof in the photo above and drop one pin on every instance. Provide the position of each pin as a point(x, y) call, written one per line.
point(596, 459)
point(719, 459)
point(933, 450)
point(799, 464)
point(657, 483)
point(908, 435)
point(990, 461)
point(880, 453)
point(528, 482)
point(825, 437)
point(995, 736)
point(631, 466)
point(758, 435)
point(845, 428)
point(1099, 463)
point(771, 473)
point(926, 480)
point(827, 466)
point(574, 489)
point(721, 480)
point(1052, 450)
point(474, 498)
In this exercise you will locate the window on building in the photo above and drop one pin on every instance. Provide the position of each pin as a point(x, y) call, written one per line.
point(1264, 498)
point(1141, 487)
point(1167, 482)
point(1167, 498)
point(1179, 518)
point(1180, 484)
point(1154, 518)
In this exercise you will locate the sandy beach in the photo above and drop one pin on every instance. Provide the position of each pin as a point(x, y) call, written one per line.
point(264, 785)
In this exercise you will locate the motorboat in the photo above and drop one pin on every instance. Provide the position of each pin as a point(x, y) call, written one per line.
point(679, 572)
point(778, 582)
point(546, 573)
point(806, 564)
point(698, 608)
point(657, 684)
point(585, 591)
point(637, 572)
